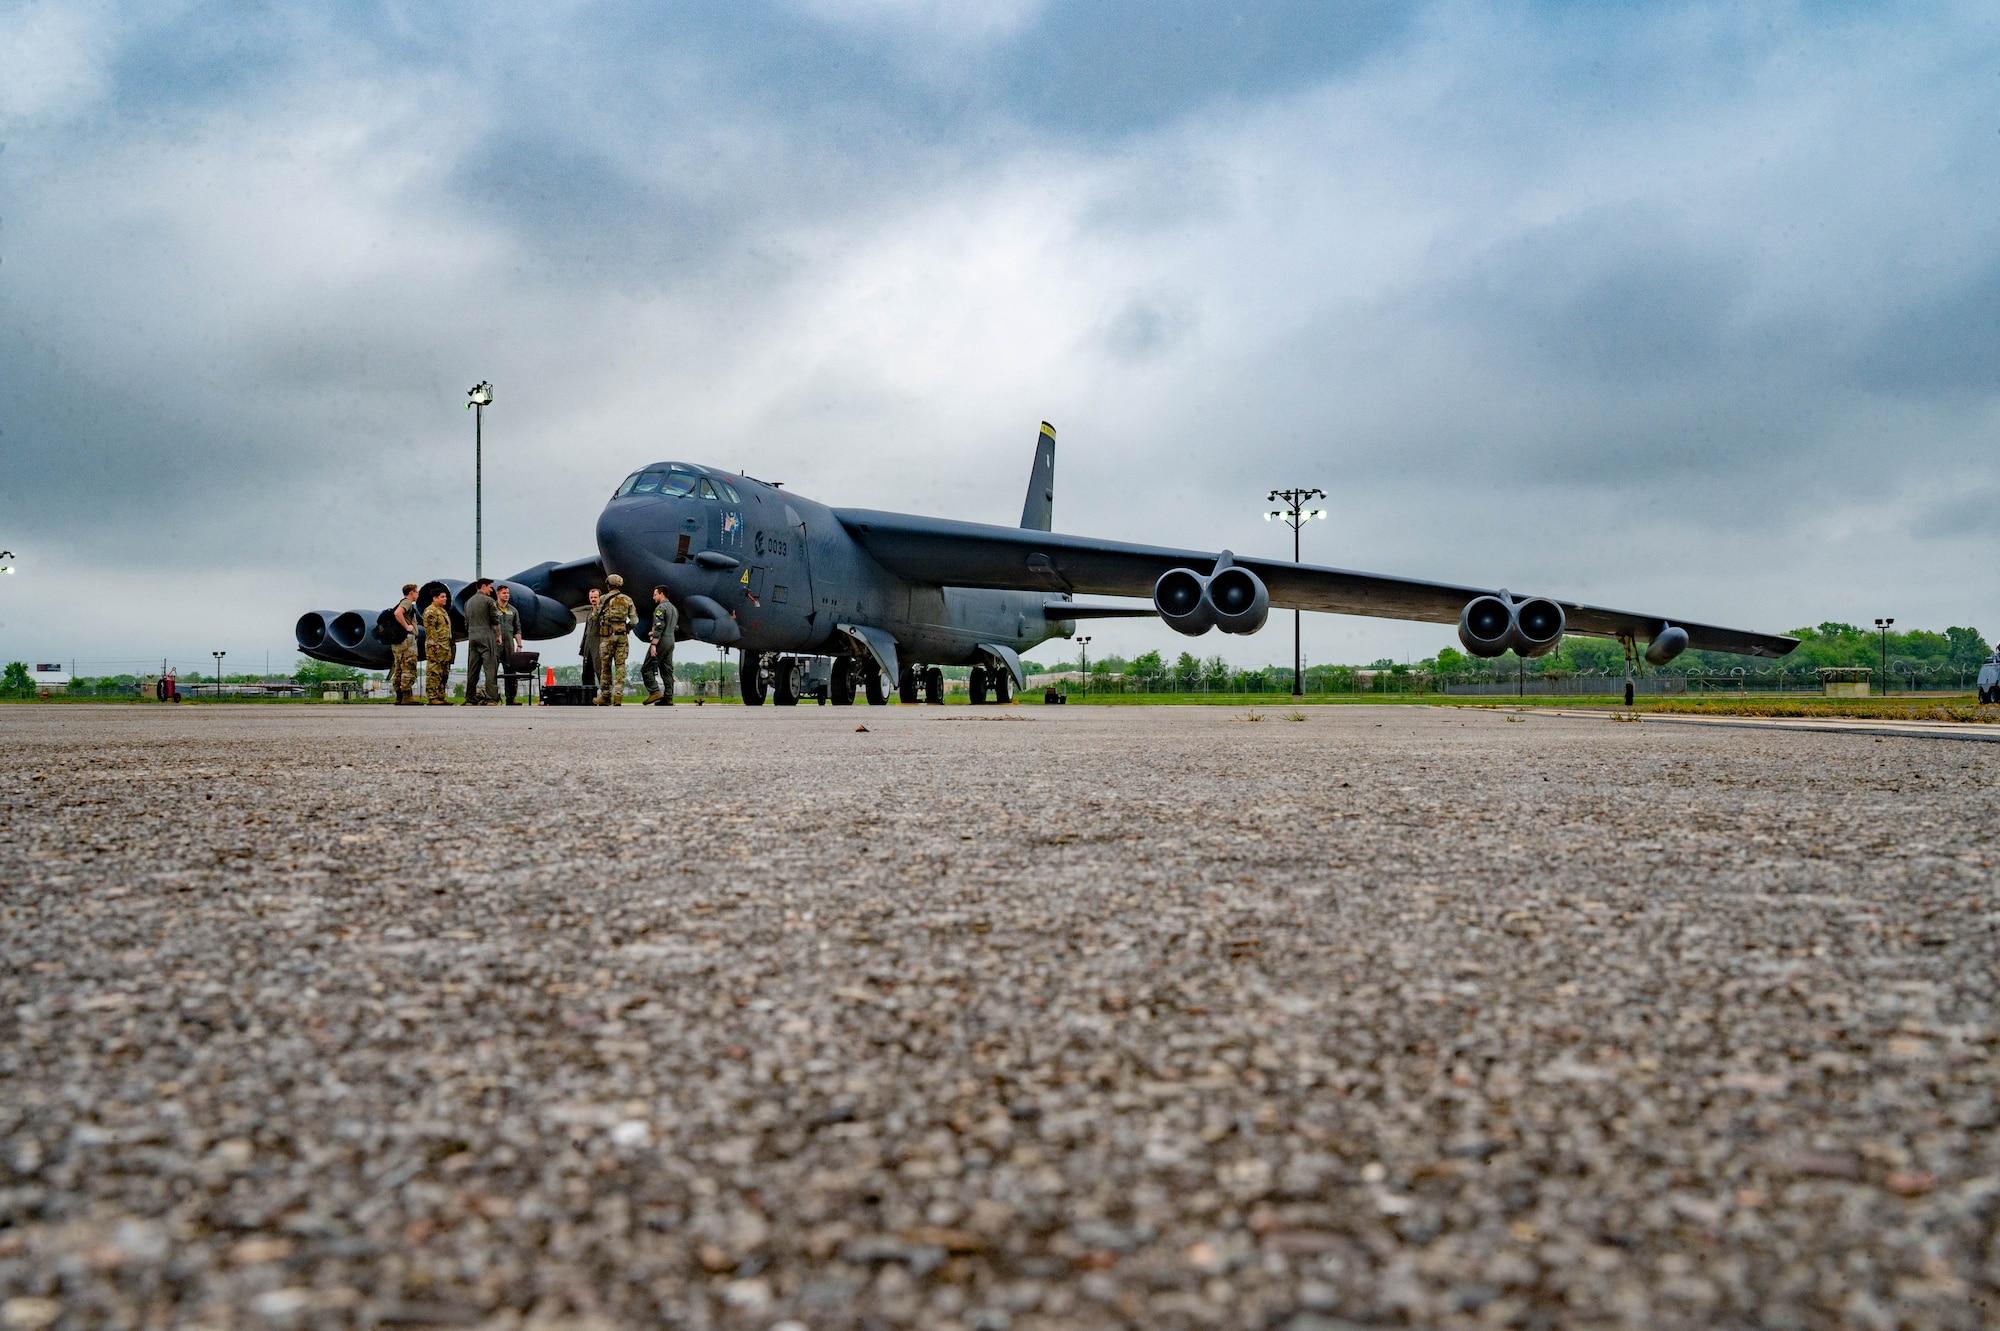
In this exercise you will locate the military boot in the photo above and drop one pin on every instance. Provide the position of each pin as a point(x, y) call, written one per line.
point(652, 699)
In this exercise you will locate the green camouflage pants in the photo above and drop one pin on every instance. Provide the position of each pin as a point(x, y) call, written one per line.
point(403, 668)
point(611, 667)
point(437, 673)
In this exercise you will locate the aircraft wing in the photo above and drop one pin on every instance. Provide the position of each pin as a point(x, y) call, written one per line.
point(971, 554)
point(569, 583)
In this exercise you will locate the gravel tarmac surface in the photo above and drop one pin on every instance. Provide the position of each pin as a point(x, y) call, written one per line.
point(984, 1019)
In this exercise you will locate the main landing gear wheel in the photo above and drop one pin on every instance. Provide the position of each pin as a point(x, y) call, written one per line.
point(934, 686)
point(1628, 693)
point(751, 675)
point(1003, 685)
point(975, 685)
point(907, 686)
point(785, 682)
point(874, 685)
point(843, 681)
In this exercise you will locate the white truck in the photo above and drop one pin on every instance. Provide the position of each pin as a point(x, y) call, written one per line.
point(1989, 679)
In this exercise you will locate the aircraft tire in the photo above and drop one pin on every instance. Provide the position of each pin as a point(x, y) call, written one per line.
point(872, 685)
point(1628, 693)
point(842, 686)
point(784, 683)
point(751, 674)
point(975, 685)
point(934, 687)
point(1003, 687)
point(907, 687)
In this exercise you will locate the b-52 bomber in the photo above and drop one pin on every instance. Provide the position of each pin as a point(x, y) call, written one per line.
point(841, 601)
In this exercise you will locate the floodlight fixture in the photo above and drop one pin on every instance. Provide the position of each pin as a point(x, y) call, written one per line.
point(1295, 514)
point(477, 399)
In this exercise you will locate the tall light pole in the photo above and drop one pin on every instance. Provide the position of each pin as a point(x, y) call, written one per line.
point(1882, 627)
point(218, 671)
point(479, 398)
point(1083, 645)
point(1295, 515)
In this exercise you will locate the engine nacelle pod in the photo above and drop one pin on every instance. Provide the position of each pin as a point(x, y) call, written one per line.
point(541, 616)
point(1538, 627)
point(1181, 597)
point(311, 630)
point(1239, 600)
point(1485, 626)
point(351, 628)
point(1668, 643)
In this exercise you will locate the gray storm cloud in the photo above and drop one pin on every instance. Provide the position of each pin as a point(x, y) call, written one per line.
point(1689, 309)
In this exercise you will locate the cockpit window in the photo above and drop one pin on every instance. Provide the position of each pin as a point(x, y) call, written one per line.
point(708, 491)
point(677, 482)
point(730, 490)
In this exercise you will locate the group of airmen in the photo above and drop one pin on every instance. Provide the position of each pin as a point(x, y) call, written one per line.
point(493, 634)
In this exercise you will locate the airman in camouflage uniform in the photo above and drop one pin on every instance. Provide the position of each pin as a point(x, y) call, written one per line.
point(439, 650)
point(615, 617)
point(403, 656)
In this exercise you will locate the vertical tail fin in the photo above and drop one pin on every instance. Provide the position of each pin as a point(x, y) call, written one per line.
point(1038, 514)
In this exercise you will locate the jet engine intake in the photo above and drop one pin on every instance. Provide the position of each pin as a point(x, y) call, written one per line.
point(1485, 625)
point(310, 632)
point(351, 629)
point(1538, 627)
point(1668, 643)
point(1239, 600)
point(1181, 597)
point(1490, 625)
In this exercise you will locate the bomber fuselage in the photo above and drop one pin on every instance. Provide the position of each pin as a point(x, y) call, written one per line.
point(788, 575)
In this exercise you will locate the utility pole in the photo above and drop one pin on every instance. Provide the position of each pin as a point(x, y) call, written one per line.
point(479, 398)
point(1882, 627)
point(218, 671)
point(1296, 515)
point(1083, 645)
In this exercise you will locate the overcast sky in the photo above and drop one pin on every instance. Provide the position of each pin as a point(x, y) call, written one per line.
point(1678, 309)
